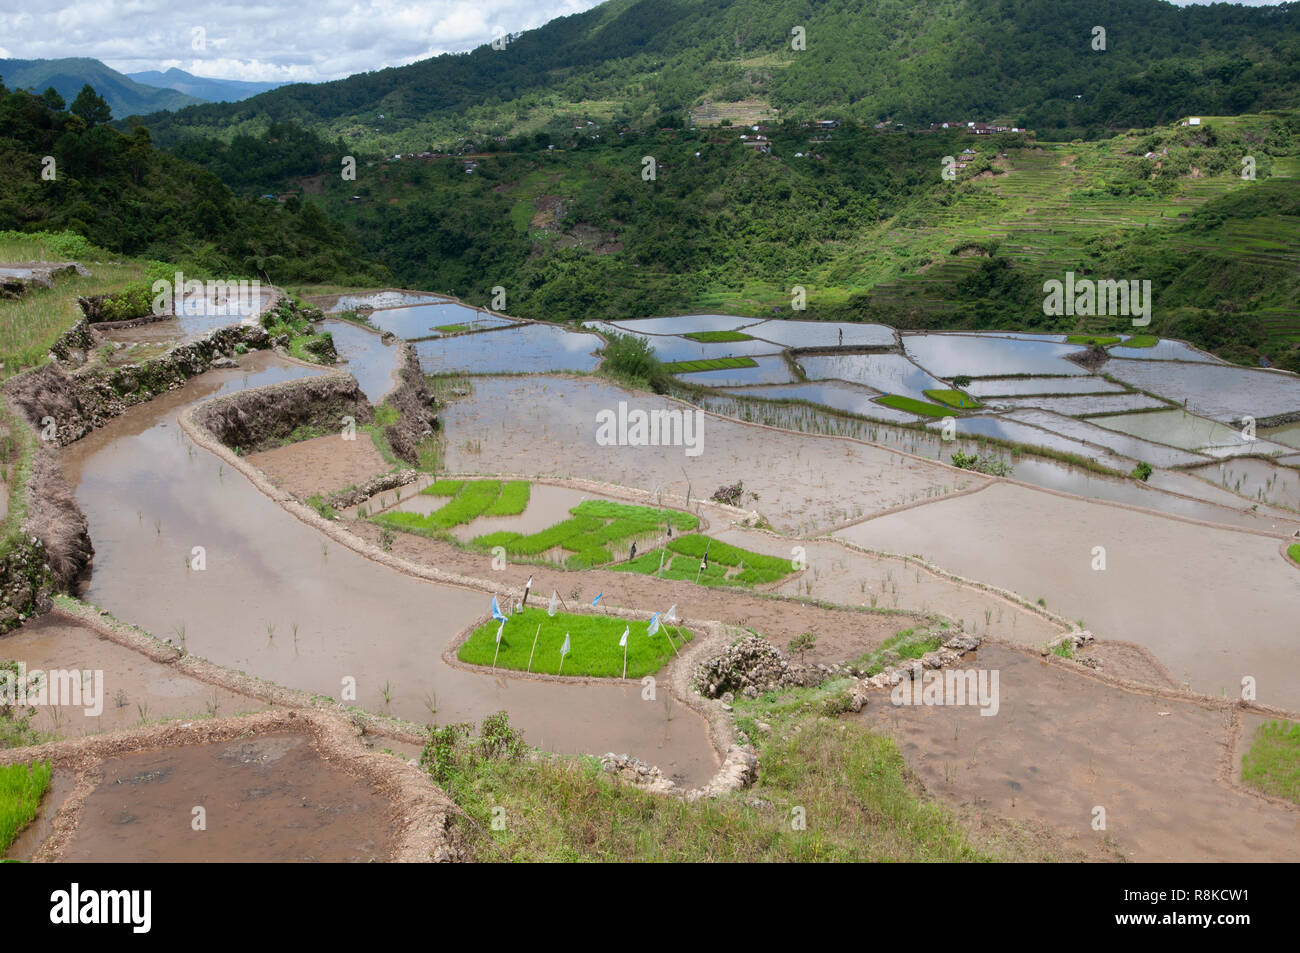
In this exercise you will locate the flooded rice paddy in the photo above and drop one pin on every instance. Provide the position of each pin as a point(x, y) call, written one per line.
point(887, 373)
point(515, 350)
point(435, 320)
point(1223, 392)
point(978, 355)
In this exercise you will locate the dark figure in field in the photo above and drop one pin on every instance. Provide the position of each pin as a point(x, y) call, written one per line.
point(633, 555)
point(841, 337)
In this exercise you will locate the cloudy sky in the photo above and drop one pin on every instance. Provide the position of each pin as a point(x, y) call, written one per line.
point(266, 41)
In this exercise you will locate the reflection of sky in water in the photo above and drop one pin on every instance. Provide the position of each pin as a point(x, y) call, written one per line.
point(532, 347)
point(1162, 351)
point(838, 395)
point(1081, 404)
point(198, 314)
point(381, 299)
point(422, 320)
point(686, 322)
point(1129, 446)
point(948, 355)
point(369, 359)
point(1010, 386)
point(1222, 391)
point(1019, 433)
point(887, 373)
point(822, 333)
point(770, 370)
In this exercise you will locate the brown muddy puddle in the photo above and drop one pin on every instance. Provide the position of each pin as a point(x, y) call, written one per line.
point(279, 600)
point(841, 575)
point(548, 426)
point(1214, 605)
point(135, 689)
point(269, 798)
point(1061, 746)
point(321, 465)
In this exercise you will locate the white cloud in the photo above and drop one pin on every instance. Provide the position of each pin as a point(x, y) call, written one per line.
point(266, 41)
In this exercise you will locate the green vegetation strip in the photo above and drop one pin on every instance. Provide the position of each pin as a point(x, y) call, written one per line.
point(588, 533)
point(715, 364)
point(452, 328)
point(470, 499)
point(728, 565)
point(716, 337)
point(907, 644)
point(21, 789)
point(1141, 340)
point(913, 406)
point(593, 644)
point(1294, 551)
point(1272, 764)
point(849, 784)
point(1090, 339)
point(954, 398)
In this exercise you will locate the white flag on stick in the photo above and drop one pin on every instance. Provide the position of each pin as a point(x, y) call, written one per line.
point(671, 614)
point(654, 624)
point(555, 596)
point(622, 643)
point(564, 649)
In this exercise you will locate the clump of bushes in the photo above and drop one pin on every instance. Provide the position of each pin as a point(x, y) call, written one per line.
point(993, 466)
point(632, 360)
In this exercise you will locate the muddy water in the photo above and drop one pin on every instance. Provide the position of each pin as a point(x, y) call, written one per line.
point(846, 577)
point(1081, 404)
point(1255, 479)
point(1287, 435)
point(135, 688)
point(1060, 745)
point(838, 395)
point(1214, 605)
point(1208, 503)
point(270, 798)
point(1132, 447)
point(547, 426)
point(1178, 428)
point(371, 360)
point(280, 601)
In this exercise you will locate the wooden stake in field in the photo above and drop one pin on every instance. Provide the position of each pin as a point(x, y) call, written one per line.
point(501, 628)
point(704, 563)
point(671, 616)
point(623, 642)
point(530, 654)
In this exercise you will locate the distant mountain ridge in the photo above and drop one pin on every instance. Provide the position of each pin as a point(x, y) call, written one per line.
point(124, 95)
point(202, 87)
point(1034, 63)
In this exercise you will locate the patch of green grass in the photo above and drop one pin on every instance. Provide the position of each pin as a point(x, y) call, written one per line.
point(1064, 648)
point(1142, 340)
point(913, 406)
point(1294, 552)
point(1272, 764)
point(21, 789)
point(714, 364)
point(954, 398)
point(451, 328)
point(848, 784)
point(593, 643)
point(905, 645)
point(728, 565)
point(513, 499)
point(1089, 339)
point(717, 337)
point(592, 526)
point(471, 501)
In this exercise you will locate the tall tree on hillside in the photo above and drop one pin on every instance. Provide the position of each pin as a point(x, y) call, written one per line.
point(53, 100)
point(91, 106)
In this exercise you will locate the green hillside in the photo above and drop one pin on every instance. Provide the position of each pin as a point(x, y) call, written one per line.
point(1028, 62)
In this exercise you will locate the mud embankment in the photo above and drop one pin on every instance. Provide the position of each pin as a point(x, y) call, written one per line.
point(264, 417)
point(64, 405)
point(415, 404)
